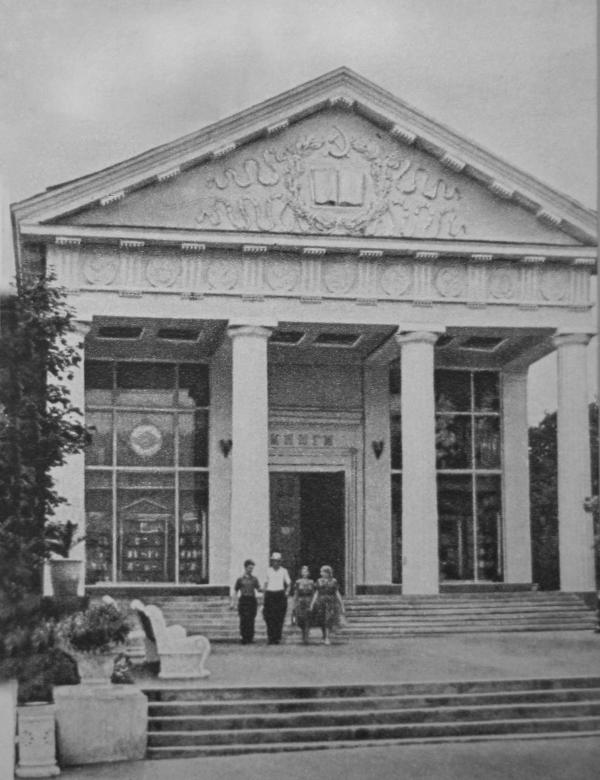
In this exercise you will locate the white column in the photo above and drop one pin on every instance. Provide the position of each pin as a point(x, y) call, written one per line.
point(69, 479)
point(378, 499)
point(575, 529)
point(420, 567)
point(515, 464)
point(250, 449)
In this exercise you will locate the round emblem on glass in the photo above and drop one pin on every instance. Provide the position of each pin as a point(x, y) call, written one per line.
point(145, 440)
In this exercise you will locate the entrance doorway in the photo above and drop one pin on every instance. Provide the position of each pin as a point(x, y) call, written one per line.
point(308, 520)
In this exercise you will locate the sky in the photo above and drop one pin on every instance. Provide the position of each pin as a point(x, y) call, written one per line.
point(88, 83)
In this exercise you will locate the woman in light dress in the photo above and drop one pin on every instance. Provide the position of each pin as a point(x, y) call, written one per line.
point(326, 606)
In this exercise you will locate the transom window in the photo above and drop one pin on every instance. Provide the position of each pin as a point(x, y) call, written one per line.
point(147, 472)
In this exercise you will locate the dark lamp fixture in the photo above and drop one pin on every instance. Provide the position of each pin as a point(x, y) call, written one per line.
point(225, 446)
point(377, 446)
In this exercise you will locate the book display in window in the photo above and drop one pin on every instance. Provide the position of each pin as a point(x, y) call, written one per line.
point(145, 531)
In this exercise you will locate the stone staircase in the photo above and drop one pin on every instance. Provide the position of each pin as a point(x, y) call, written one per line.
point(397, 615)
point(226, 721)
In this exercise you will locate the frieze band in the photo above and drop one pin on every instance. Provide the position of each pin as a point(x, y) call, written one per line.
point(318, 276)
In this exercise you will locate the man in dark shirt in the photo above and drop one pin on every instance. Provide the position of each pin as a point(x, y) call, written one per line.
point(244, 591)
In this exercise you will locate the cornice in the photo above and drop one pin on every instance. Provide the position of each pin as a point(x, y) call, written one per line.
point(346, 90)
point(196, 241)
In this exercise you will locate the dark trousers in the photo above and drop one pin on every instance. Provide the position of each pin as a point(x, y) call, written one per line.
point(274, 609)
point(247, 607)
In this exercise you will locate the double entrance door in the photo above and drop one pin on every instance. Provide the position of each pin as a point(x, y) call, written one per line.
point(308, 521)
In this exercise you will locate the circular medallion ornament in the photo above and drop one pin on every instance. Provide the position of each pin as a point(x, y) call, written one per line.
point(100, 269)
point(223, 274)
point(555, 284)
point(339, 276)
point(450, 281)
point(395, 279)
point(283, 275)
point(162, 271)
point(145, 440)
point(503, 283)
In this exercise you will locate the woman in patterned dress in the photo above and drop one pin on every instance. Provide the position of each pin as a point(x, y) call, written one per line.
point(304, 589)
point(327, 605)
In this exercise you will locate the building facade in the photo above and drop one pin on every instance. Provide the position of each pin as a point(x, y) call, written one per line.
point(308, 328)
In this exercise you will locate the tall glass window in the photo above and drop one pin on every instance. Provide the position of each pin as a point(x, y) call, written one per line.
point(469, 469)
point(147, 472)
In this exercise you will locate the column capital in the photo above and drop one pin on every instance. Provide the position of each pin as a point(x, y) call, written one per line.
point(235, 331)
point(81, 327)
point(568, 339)
point(417, 337)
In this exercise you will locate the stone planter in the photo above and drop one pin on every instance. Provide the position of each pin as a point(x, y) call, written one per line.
point(95, 668)
point(37, 741)
point(65, 576)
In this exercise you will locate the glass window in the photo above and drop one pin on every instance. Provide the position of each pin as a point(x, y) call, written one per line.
point(489, 528)
point(98, 530)
point(396, 440)
point(487, 442)
point(145, 384)
point(99, 451)
point(397, 528)
point(193, 439)
point(455, 510)
point(453, 441)
point(453, 391)
point(193, 514)
point(98, 383)
point(145, 439)
point(487, 391)
point(193, 385)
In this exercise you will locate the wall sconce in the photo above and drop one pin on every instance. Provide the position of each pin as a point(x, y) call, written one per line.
point(225, 446)
point(377, 446)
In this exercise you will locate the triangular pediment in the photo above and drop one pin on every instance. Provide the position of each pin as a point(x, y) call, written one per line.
point(337, 156)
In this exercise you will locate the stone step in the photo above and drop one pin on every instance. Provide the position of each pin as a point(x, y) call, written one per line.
point(348, 717)
point(184, 751)
point(396, 731)
point(244, 693)
point(159, 709)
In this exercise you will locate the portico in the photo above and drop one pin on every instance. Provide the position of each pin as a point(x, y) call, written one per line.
point(315, 336)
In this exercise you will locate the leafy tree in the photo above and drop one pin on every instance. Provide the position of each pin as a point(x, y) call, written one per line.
point(39, 428)
point(544, 495)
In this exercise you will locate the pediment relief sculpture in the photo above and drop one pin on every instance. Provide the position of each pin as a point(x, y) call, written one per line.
point(334, 173)
point(333, 182)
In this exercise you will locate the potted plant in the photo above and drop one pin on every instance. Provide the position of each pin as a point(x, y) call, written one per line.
point(94, 637)
point(65, 572)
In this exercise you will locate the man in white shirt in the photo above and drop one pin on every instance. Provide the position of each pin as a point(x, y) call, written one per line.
point(276, 589)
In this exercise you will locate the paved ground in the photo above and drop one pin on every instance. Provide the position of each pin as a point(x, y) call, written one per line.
point(453, 657)
point(449, 657)
point(540, 759)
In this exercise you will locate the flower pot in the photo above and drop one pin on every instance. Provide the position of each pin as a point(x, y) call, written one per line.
point(65, 575)
point(95, 667)
point(37, 741)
